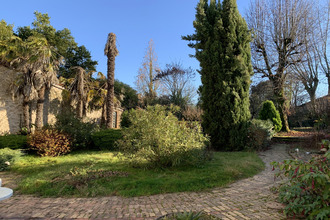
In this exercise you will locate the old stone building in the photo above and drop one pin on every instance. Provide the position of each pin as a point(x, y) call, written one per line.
point(11, 109)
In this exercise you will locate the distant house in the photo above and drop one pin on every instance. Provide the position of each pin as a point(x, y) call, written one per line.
point(302, 115)
point(11, 109)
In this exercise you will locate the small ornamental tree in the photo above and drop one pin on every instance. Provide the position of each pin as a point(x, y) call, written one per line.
point(269, 111)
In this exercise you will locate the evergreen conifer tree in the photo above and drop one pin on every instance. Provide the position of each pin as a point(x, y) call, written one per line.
point(269, 112)
point(221, 41)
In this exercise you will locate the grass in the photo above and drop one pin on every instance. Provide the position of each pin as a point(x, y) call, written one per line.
point(91, 173)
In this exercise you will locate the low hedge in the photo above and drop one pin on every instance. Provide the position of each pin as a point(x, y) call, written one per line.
point(13, 141)
point(105, 139)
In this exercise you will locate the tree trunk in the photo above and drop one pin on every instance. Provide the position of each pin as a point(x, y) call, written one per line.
point(281, 101)
point(328, 84)
point(40, 108)
point(84, 112)
point(79, 108)
point(111, 52)
point(26, 113)
point(312, 96)
point(110, 93)
point(103, 116)
point(80, 88)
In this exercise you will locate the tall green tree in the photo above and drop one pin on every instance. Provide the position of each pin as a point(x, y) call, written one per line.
point(64, 43)
point(111, 52)
point(221, 42)
point(77, 56)
point(46, 47)
point(127, 96)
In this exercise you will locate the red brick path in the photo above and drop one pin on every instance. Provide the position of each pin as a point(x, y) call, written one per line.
point(246, 199)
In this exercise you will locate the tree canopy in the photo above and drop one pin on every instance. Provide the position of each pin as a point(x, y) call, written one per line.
point(222, 46)
point(64, 43)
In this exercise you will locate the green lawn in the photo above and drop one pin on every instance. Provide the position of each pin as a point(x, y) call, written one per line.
point(90, 173)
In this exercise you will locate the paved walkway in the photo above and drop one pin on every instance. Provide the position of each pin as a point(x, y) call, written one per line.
point(246, 199)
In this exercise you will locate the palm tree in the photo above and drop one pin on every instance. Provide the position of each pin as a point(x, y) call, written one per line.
point(97, 96)
point(37, 61)
point(77, 90)
point(111, 52)
point(44, 65)
point(14, 54)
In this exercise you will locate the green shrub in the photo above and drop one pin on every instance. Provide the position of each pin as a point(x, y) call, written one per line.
point(157, 137)
point(307, 192)
point(125, 122)
point(260, 133)
point(80, 132)
point(8, 157)
point(13, 141)
point(269, 112)
point(105, 139)
point(49, 142)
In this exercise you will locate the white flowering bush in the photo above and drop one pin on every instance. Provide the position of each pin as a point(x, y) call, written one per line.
point(157, 138)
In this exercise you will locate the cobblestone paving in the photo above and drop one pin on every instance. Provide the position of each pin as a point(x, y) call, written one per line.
point(246, 199)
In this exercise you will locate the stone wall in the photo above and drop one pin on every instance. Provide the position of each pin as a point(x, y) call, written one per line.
point(96, 116)
point(11, 109)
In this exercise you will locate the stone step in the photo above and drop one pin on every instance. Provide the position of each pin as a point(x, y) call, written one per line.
point(289, 139)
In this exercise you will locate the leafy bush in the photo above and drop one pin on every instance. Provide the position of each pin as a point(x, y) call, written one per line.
point(8, 157)
point(157, 137)
point(125, 122)
point(80, 132)
point(105, 139)
point(325, 145)
point(13, 141)
point(269, 112)
point(259, 134)
point(321, 123)
point(307, 192)
point(49, 142)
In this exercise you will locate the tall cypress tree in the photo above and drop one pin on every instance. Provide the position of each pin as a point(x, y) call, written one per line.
point(221, 41)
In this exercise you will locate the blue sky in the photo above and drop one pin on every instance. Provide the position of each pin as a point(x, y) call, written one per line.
point(134, 22)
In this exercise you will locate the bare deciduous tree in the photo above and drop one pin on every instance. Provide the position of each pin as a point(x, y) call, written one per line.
point(307, 72)
point(279, 29)
point(323, 51)
point(144, 82)
point(176, 83)
point(297, 93)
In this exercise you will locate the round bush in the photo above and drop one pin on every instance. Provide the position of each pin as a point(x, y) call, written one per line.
point(269, 112)
point(156, 137)
point(260, 133)
point(49, 142)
